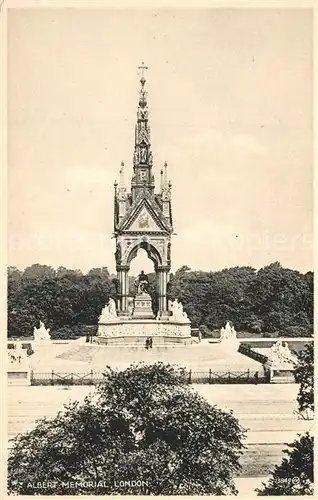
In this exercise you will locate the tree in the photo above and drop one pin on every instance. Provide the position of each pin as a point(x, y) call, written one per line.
point(64, 299)
point(38, 271)
point(282, 298)
point(272, 299)
point(143, 423)
point(99, 272)
point(295, 475)
point(304, 375)
point(21, 321)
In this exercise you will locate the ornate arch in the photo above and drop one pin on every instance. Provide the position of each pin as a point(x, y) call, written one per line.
point(152, 252)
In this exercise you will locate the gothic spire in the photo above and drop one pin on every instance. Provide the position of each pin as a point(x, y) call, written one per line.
point(142, 196)
point(143, 180)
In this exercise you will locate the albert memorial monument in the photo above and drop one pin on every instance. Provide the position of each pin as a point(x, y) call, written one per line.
point(143, 219)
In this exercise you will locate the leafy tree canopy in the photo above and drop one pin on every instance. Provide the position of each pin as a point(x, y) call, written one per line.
point(304, 375)
point(272, 299)
point(268, 300)
point(143, 423)
point(295, 475)
point(62, 298)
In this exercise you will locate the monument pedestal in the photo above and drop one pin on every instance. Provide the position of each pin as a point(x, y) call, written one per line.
point(281, 363)
point(142, 306)
point(140, 326)
point(134, 332)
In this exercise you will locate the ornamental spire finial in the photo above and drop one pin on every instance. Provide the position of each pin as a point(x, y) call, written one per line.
point(142, 68)
point(165, 175)
point(121, 175)
point(161, 181)
point(142, 91)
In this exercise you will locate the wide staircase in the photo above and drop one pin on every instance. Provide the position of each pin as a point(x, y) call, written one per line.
point(197, 357)
point(141, 342)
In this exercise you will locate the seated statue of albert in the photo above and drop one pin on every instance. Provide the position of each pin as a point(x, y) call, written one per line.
point(141, 283)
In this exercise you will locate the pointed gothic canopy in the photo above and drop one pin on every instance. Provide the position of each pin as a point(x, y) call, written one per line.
point(143, 178)
point(127, 205)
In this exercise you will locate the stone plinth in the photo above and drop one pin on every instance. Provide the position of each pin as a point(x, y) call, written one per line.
point(280, 372)
point(142, 306)
point(281, 363)
point(230, 345)
point(135, 330)
point(19, 372)
point(19, 376)
point(41, 343)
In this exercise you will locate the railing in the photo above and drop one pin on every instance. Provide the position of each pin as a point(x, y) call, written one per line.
point(257, 356)
point(57, 378)
point(228, 377)
point(191, 377)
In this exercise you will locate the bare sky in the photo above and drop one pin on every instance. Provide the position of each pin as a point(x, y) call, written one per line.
point(230, 100)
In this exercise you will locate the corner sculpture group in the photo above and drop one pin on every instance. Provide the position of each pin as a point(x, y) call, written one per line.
point(18, 354)
point(175, 308)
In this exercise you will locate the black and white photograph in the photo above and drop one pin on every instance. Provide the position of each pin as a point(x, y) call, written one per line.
point(159, 243)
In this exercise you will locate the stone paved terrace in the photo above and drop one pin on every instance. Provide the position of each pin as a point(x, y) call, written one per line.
point(267, 411)
point(78, 356)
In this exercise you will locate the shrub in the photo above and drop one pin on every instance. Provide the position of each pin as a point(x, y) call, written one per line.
point(298, 331)
point(29, 350)
point(73, 331)
point(295, 475)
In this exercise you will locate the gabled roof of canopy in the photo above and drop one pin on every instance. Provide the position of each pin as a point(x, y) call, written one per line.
point(148, 206)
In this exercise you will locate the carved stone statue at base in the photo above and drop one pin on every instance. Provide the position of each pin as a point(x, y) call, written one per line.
point(280, 353)
point(228, 337)
point(177, 312)
point(109, 312)
point(41, 334)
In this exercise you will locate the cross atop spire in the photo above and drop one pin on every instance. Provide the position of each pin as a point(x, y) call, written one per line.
point(142, 68)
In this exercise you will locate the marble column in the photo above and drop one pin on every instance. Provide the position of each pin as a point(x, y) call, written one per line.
point(125, 289)
point(162, 276)
point(122, 276)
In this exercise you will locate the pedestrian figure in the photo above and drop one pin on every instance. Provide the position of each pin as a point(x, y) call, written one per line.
point(256, 378)
point(147, 343)
point(150, 342)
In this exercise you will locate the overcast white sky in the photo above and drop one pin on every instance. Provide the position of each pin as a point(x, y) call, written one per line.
point(230, 98)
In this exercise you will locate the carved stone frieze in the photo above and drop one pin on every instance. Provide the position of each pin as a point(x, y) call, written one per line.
point(140, 328)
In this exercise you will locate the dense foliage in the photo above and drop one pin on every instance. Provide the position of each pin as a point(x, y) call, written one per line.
point(295, 475)
point(143, 427)
point(67, 301)
point(270, 300)
point(304, 375)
